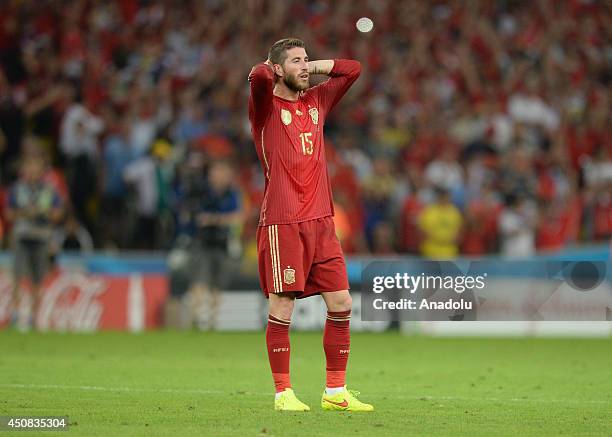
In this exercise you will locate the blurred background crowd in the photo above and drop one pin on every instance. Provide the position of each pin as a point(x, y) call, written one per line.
point(476, 127)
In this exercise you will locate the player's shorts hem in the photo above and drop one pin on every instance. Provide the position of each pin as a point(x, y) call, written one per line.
point(303, 295)
point(335, 290)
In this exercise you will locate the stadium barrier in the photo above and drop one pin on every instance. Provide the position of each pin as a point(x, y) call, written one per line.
point(129, 291)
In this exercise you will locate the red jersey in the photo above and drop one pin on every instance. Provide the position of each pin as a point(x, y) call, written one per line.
point(289, 141)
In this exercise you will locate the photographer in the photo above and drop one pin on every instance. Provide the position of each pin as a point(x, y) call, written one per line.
point(216, 216)
point(33, 208)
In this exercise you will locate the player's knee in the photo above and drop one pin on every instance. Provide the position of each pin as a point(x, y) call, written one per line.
point(281, 307)
point(340, 301)
point(347, 302)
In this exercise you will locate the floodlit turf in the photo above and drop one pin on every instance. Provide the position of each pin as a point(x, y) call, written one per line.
point(171, 383)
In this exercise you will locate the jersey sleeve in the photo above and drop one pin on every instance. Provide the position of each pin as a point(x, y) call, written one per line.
point(342, 76)
point(261, 80)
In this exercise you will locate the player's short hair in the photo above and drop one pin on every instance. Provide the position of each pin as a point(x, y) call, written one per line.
point(278, 51)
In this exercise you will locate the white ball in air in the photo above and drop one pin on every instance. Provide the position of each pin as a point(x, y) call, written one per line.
point(364, 24)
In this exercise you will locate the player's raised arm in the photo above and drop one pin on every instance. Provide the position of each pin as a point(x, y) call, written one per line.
point(342, 73)
point(261, 79)
point(321, 66)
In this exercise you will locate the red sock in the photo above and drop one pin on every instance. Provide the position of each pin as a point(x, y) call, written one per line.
point(337, 344)
point(277, 339)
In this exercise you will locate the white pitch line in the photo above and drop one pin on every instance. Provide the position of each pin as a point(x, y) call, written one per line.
point(488, 399)
point(216, 392)
point(125, 389)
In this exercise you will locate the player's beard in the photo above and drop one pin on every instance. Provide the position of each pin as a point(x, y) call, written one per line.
point(292, 82)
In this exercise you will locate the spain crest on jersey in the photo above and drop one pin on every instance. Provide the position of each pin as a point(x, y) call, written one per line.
point(285, 117)
point(314, 114)
point(289, 276)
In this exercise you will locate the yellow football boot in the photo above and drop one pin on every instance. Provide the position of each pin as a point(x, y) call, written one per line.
point(288, 402)
point(344, 401)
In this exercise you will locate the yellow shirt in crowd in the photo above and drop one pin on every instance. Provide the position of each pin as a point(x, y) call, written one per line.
point(441, 225)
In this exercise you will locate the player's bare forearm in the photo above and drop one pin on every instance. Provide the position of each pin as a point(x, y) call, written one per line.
point(321, 66)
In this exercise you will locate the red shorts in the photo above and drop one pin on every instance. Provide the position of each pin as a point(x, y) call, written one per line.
point(305, 258)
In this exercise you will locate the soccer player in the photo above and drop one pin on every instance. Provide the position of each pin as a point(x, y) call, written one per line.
point(299, 253)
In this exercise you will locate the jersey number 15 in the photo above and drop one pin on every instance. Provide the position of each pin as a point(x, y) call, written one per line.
point(307, 146)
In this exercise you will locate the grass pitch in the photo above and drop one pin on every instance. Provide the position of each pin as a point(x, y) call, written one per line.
point(171, 383)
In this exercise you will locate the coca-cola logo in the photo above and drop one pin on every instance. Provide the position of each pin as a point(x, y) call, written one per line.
point(69, 301)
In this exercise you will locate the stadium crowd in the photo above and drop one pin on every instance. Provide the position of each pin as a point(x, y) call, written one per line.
point(476, 127)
